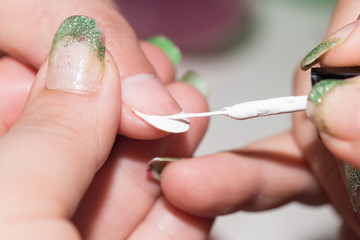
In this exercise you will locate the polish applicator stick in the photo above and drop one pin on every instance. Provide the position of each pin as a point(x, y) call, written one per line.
point(178, 123)
point(252, 109)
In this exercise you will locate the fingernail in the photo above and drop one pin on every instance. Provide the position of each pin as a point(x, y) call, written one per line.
point(156, 166)
point(169, 47)
point(352, 179)
point(145, 93)
point(76, 60)
point(331, 42)
point(197, 82)
point(332, 106)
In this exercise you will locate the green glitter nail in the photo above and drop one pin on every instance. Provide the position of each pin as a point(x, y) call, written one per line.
point(321, 88)
point(312, 58)
point(352, 178)
point(196, 81)
point(82, 29)
point(168, 47)
point(76, 59)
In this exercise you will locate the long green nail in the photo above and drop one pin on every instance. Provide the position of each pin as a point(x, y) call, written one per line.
point(196, 81)
point(313, 57)
point(169, 47)
point(331, 42)
point(156, 165)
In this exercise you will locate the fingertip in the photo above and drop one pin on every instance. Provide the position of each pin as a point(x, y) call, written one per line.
point(190, 100)
point(344, 55)
point(208, 186)
point(187, 188)
point(332, 106)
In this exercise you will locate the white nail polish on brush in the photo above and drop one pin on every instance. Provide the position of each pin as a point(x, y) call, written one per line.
point(178, 123)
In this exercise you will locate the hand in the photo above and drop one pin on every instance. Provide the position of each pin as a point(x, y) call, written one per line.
point(50, 155)
point(292, 166)
point(30, 27)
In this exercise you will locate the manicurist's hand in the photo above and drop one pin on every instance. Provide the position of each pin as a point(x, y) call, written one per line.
point(55, 180)
point(295, 165)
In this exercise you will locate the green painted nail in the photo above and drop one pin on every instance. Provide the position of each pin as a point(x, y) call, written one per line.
point(316, 96)
point(352, 179)
point(313, 57)
point(156, 165)
point(321, 88)
point(331, 42)
point(169, 47)
point(76, 59)
point(196, 81)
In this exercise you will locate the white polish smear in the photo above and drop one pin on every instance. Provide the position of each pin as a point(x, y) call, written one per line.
point(165, 124)
point(178, 123)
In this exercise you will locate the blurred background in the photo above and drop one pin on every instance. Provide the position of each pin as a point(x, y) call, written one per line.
point(245, 50)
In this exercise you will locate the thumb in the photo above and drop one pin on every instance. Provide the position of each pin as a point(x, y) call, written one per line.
point(334, 107)
point(67, 129)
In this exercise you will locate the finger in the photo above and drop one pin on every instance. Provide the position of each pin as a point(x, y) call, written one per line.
point(63, 136)
point(262, 176)
point(345, 12)
point(160, 61)
point(334, 129)
point(137, 75)
point(335, 113)
point(15, 83)
point(121, 194)
point(341, 38)
point(16, 80)
point(167, 222)
point(325, 166)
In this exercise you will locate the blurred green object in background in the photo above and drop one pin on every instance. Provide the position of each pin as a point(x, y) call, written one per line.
point(315, 3)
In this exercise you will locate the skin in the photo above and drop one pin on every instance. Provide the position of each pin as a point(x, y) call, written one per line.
point(86, 176)
point(251, 176)
point(120, 39)
point(309, 165)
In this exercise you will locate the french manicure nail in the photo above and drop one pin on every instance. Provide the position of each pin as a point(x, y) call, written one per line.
point(156, 165)
point(169, 47)
point(352, 179)
point(331, 42)
point(197, 82)
point(76, 60)
point(145, 93)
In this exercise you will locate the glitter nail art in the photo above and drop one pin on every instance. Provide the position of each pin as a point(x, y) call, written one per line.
point(352, 179)
point(76, 60)
point(312, 58)
point(331, 42)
